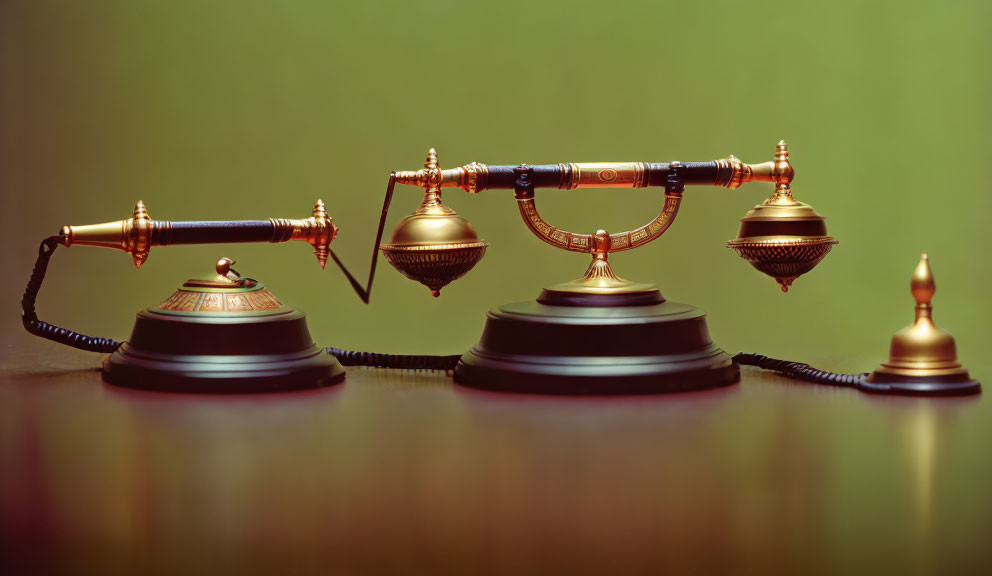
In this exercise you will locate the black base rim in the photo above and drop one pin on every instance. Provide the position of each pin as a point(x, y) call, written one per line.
point(312, 368)
point(923, 387)
point(958, 384)
point(548, 379)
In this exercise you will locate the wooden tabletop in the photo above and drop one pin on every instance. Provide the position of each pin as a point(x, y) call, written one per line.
point(402, 472)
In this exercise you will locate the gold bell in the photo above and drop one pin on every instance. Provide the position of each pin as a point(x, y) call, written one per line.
point(923, 357)
point(434, 245)
point(782, 237)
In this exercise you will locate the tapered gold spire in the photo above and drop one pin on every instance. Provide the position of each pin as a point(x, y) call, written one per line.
point(922, 285)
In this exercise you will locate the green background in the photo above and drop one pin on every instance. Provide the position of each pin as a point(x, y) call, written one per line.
point(233, 110)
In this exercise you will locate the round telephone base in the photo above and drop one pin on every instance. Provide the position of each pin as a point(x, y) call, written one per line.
point(530, 347)
point(221, 355)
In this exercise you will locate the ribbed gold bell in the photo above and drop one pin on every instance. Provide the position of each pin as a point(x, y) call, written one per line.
point(922, 356)
point(434, 245)
point(783, 237)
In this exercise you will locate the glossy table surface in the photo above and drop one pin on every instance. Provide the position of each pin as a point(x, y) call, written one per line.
point(402, 472)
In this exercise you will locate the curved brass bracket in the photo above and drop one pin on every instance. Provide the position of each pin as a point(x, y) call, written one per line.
point(583, 242)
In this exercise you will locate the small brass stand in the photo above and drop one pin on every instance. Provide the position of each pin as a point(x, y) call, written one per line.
point(922, 357)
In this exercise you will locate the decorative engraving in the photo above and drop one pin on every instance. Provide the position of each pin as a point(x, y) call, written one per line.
point(784, 258)
point(237, 303)
point(580, 242)
point(182, 301)
point(434, 267)
point(263, 300)
point(190, 301)
point(603, 175)
point(212, 303)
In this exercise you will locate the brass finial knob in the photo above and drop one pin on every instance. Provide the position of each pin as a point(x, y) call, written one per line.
point(783, 172)
point(922, 286)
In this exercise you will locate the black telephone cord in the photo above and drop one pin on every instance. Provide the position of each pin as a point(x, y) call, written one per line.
point(50, 331)
point(393, 361)
point(794, 370)
point(802, 371)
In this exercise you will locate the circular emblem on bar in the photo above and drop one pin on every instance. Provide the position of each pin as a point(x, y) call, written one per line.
point(607, 175)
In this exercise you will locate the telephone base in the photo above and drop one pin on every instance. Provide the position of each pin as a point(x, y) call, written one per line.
point(530, 347)
point(221, 355)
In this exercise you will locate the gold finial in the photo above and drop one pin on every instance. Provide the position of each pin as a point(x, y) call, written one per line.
point(433, 176)
point(319, 209)
point(922, 286)
point(783, 172)
point(781, 151)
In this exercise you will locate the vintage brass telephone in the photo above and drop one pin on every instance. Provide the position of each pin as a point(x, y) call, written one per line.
point(598, 334)
point(220, 333)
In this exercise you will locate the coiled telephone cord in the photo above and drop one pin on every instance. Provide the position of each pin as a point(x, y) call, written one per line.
point(39, 327)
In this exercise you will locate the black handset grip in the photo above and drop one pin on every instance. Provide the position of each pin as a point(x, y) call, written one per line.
point(138, 234)
point(640, 175)
point(165, 233)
